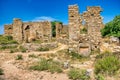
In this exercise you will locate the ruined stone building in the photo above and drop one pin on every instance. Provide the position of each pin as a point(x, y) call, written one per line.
point(84, 43)
point(71, 33)
point(28, 31)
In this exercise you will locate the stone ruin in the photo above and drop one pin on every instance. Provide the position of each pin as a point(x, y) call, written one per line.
point(84, 43)
point(29, 31)
point(68, 34)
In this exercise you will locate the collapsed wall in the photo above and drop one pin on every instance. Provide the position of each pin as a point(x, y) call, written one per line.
point(74, 27)
point(29, 31)
point(84, 43)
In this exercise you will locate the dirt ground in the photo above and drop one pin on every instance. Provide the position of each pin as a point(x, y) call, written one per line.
point(18, 69)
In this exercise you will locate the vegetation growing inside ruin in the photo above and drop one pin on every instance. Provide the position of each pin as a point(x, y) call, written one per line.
point(48, 65)
point(83, 31)
point(112, 28)
point(54, 27)
point(7, 40)
point(77, 74)
point(75, 55)
point(107, 64)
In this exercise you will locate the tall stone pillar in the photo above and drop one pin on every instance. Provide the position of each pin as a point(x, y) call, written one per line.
point(17, 30)
point(74, 28)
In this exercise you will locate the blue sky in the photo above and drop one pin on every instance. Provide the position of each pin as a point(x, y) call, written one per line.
point(37, 10)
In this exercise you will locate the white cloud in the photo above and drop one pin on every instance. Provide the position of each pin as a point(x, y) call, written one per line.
point(44, 18)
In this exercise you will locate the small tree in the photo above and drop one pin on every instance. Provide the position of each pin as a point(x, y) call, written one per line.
point(112, 28)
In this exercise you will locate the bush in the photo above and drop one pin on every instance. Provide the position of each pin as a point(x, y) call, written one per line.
point(48, 65)
point(77, 56)
point(19, 57)
point(100, 77)
point(32, 55)
point(1, 71)
point(7, 47)
point(22, 49)
point(11, 51)
point(109, 65)
point(77, 74)
point(43, 49)
point(7, 40)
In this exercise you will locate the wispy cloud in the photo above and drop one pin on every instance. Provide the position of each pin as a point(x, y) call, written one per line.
point(1, 29)
point(44, 18)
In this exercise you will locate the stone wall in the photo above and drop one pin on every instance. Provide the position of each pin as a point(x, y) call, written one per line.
point(61, 31)
point(34, 47)
point(8, 29)
point(29, 31)
point(83, 44)
point(17, 30)
point(74, 28)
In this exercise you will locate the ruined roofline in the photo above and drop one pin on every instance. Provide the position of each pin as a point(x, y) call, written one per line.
point(18, 19)
point(74, 5)
point(7, 24)
point(94, 7)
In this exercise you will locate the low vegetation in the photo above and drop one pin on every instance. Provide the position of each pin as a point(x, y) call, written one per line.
point(43, 49)
point(77, 74)
point(3, 47)
point(7, 40)
point(37, 41)
point(32, 56)
point(75, 56)
point(22, 49)
point(47, 65)
point(19, 57)
point(99, 77)
point(107, 64)
point(83, 31)
point(1, 71)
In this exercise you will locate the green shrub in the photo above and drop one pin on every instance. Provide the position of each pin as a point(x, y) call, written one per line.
point(14, 50)
point(43, 49)
point(83, 31)
point(37, 41)
point(42, 65)
point(7, 47)
point(22, 49)
point(19, 57)
point(109, 65)
point(7, 40)
point(100, 77)
point(77, 74)
point(1, 71)
point(11, 51)
point(48, 65)
point(32, 55)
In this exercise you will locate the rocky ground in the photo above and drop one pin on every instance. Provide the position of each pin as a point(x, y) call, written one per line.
point(19, 69)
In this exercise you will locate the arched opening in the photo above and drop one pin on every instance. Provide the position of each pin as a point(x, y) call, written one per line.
point(27, 33)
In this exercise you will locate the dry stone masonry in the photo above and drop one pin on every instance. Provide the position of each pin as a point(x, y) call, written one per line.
point(28, 31)
point(70, 34)
point(84, 43)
